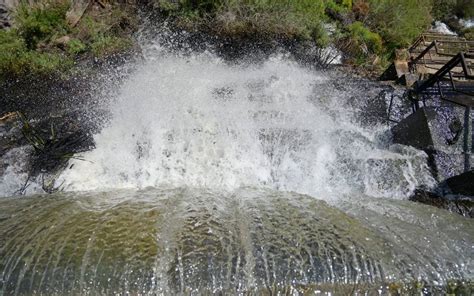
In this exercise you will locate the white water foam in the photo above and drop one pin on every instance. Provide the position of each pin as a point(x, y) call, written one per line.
point(467, 23)
point(197, 121)
point(440, 27)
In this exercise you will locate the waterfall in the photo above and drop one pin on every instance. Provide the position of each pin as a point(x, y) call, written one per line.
point(244, 177)
point(196, 120)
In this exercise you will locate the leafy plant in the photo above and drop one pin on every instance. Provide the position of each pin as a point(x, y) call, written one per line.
point(108, 45)
point(399, 22)
point(40, 22)
point(75, 46)
point(366, 38)
point(16, 59)
point(42, 42)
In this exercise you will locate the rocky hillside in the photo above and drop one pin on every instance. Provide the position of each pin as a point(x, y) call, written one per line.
point(47, 37)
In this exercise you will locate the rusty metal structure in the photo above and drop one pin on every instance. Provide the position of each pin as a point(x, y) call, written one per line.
point(452, 81)
point(444, 68)
point(438, 71)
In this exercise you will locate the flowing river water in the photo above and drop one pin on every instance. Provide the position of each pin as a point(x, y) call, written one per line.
point(253, 178)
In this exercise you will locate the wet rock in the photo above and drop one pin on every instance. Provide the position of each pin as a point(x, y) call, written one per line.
point(462, 205)
point(437, 131)
point(44, 148)
point(10, 134)
point(462, 184)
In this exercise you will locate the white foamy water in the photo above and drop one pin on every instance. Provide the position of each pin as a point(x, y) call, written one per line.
point(198, 121)
point(442, 28)
point(467, 23)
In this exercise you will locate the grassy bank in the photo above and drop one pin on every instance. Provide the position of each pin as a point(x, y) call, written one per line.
point(42, 41)
point(368, 31)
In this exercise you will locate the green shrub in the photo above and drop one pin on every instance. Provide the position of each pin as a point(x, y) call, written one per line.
point(266, 18)
point(38, 23)
point(364, 39)
point(399, 22)
point(167, 6)
point(468, 33)
point(443, 9)
point(34, 47)
point(465, 8)
point(75, 46)
point(105, 37)
point(16, 59)
point(11, 48)
point(108, 45)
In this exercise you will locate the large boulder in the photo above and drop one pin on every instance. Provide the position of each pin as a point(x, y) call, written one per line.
point(462, 184)
point(440, 132)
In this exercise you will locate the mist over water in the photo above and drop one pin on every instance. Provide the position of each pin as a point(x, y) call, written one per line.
point(196, 120)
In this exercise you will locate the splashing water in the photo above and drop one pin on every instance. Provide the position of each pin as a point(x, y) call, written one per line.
point(197, 121)
point(213, 148)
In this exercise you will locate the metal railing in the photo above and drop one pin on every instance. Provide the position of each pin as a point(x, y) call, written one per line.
point(442, 48)
point(459, 59)
point(440, 38)
point(468, 96)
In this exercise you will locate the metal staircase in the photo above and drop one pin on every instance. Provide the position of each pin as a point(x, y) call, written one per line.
point(438, 71)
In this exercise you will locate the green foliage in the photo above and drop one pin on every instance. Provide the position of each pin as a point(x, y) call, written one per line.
point(364, 41)
point(365, 27)
point(468, 33)
point(266, 18)
point(347, 3)
point(465, 8)
point(339, 6)
point(39, 23)
point(32, 47)
point(444, 9)
point(399, 22)
point(167, 6)
point(35, 25)
point(75, 46)
point(369, 26)
point(16, 59)
point(108, 45)
point(105, 37)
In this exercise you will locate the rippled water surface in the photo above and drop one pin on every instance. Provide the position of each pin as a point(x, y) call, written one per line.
point(250, 240)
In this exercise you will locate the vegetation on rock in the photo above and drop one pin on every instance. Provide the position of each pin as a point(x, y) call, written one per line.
point(364, 29)
point(42, 42)
point(367, 31)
